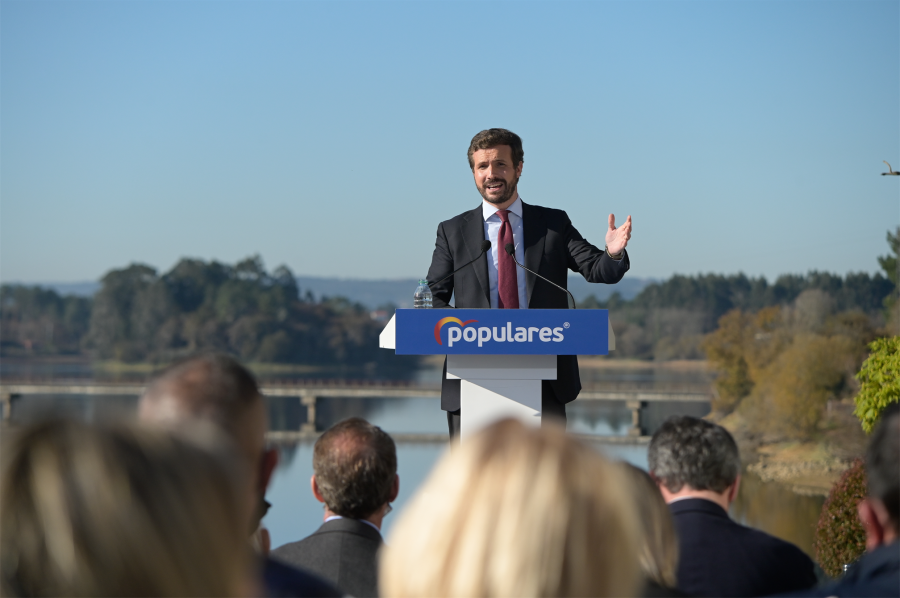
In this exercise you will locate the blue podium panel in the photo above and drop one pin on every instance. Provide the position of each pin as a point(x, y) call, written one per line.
point(502, 332)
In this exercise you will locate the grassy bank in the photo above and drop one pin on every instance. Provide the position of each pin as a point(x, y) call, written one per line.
point(810, 466)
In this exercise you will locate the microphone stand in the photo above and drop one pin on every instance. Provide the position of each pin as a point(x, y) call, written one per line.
point(512, 253)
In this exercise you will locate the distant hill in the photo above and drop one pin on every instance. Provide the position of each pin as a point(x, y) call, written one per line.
point(374, 293)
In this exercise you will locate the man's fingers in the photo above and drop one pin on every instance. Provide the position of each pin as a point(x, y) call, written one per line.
point(612, 221)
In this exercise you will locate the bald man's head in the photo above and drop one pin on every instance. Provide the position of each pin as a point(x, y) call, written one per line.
point(214, 388)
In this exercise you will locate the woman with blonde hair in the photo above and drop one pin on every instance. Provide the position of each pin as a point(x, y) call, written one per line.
point(516, 511)
point(118, 511)
point(658, 546)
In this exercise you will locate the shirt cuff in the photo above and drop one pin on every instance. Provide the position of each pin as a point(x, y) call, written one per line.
point(617, 257)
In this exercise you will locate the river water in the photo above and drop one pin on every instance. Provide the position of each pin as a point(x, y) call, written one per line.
point(296, 514)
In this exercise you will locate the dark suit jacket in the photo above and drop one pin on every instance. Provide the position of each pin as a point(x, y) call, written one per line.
point(552, 248)
point(875, 574)
point(343, 551)
point(719, 557)
point(654, 590)
point(283, 581)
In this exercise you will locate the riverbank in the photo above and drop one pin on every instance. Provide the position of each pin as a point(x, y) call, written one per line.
point(807, 467)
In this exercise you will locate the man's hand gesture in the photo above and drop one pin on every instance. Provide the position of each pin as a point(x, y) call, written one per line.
point(617, 238)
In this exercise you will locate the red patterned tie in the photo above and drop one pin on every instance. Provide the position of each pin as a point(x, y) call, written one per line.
point(507, 285)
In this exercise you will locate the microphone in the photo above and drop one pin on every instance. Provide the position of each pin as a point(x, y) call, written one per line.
point(485, 245)
point(512, 253)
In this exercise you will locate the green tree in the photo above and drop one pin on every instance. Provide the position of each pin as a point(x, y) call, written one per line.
point(889, 262)
point(879, 379)
point(112, 333)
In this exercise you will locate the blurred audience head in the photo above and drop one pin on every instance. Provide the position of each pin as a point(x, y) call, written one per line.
point(215, 388)
point(119, 511)
point(516, 511)
point(355, 469)
point(880, 511)
point(658, 544)
point(688, 455)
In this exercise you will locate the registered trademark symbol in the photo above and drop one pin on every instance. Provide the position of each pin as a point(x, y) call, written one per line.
point(565, 324)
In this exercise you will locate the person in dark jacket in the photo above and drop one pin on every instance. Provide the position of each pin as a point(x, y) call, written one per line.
point(697, 467)
point(355, 476)
point(214, 388)
point(877, 573)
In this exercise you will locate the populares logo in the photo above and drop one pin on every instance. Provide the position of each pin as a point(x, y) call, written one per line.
point(504, 334)
point(440, 324)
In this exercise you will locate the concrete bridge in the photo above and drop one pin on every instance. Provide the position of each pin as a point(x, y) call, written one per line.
point(310, 393)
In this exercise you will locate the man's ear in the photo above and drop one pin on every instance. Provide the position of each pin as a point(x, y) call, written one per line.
point(315, 489)
point(269, 462)
point(519, 169)
point(733, 489)
point(873, 517)
point(395, 488)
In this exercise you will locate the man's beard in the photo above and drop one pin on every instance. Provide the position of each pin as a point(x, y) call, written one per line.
point(510, 190)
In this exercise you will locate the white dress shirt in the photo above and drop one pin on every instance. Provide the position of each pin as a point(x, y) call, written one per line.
point(369, 523)
point(492, 224)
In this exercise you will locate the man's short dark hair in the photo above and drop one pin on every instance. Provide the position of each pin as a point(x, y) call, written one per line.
point(694, 452)
point(355, 465)
point(883, 462)
point(211, 386)
point(492, 138)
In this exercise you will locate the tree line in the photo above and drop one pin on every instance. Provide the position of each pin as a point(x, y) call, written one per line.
point(139, 315)
point(670, 319)
point(778, 366)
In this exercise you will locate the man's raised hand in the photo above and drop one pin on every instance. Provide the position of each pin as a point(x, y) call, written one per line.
point(617, 238)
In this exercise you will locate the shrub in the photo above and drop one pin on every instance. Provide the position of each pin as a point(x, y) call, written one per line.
point(840, 537)
point(809, 372)
point(879, 380)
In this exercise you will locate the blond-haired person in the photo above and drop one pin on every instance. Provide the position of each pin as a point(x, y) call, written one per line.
point(516, 511)
point(119, 511)
point(658, 547)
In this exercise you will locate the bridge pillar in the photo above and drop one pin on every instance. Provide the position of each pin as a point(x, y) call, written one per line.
point(6, 403)
point(635, 406)
point(309, 401)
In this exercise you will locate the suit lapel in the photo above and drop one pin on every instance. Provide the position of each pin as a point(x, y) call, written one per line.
point(473, 237)
point(535, 233)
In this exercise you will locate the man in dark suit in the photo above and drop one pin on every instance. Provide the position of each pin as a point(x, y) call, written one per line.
point(697, 467)
point(544, 240)
point(355, 465)
point(216, 389)
point(877, 573)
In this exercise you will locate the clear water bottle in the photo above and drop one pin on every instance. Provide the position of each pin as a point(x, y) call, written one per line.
point(422, 297)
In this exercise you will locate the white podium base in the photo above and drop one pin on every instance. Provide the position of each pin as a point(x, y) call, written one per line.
point(483, 402)
point(494, 387)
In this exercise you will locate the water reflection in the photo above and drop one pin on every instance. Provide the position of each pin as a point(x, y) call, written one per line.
point(296, 514)
point(777, 510)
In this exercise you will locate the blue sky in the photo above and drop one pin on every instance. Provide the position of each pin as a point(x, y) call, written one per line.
point(331, 137)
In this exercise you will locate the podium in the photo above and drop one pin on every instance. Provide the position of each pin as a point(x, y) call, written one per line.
point(500, 356)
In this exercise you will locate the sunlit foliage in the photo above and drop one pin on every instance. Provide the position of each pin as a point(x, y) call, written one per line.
point(879, 381)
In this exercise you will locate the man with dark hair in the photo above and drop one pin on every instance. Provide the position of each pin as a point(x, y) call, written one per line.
point(877, 573)
point(216, 389)
point(355, 476)
point(697, 466)
point(544, 241)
